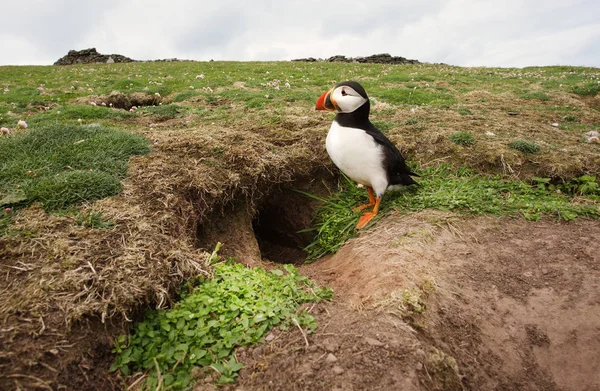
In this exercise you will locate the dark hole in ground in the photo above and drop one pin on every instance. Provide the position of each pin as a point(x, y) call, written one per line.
point(119, 100)
point(277, 227)
point(283, 222)
point(273, 231)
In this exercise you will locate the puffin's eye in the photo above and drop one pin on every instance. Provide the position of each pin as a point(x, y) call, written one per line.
point(344, 93)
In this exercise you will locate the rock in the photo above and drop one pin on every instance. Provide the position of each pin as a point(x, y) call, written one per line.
point(373, 342)
point(384, 58)
point(110, 60)
point(330, 345)
point(90, 56)
point(270, 337)
point(420, 353)
point(592, 136)
point(330, 358)
point(338, 370)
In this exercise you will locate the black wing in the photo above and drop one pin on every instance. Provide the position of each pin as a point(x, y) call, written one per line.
point(398, 171)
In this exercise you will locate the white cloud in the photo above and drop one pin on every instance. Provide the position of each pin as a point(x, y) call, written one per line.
point(459, 32)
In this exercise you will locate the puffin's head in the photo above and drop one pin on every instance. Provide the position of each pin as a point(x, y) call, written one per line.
point(345, 97)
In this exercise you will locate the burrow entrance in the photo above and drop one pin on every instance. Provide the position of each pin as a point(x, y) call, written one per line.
point(275, 229)
point(119, 100)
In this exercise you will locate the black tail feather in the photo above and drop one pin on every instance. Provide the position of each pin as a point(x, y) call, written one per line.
point(403, 179)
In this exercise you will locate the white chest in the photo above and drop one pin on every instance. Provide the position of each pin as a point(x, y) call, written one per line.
point(358, 156)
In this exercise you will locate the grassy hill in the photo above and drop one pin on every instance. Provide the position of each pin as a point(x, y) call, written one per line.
point(128, 175)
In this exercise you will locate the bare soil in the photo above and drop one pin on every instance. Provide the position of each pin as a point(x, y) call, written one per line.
point(436, 301)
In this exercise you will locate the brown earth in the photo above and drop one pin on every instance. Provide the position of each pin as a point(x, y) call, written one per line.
point(435, 301)
point(513, 303)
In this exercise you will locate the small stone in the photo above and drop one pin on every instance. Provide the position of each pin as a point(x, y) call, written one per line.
point(270, 337)
point(528, 274)
point(330, 345)
point(331, 358)
point(338, 370)
point(54, 351)
point(420, 353)
point(373, 342)
point(555, 124)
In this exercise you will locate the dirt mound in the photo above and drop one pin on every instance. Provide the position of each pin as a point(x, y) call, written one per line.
point(437, 302)
point(72, 281)
point(90, 56)
point(119, 100)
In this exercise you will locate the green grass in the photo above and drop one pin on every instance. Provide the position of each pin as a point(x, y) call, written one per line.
point(72, 113)
point(92, 219)
point(237, 307)
point(464, 111)
point(384, 126)
point(166, 111)
point(463, 138)
point(540, 95)
point(526, 147)
point(185, 95)
point(460, 190)
point(415, 96)
point(588, 89)
point(63, 165)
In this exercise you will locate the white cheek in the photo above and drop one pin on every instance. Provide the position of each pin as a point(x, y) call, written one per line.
point(349, 103)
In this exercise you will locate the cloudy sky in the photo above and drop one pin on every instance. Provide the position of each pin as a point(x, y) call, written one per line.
point(503, 33)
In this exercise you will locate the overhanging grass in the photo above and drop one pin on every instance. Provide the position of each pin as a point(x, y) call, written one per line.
point(445, 188)
point(62, 165)
point(84, 112)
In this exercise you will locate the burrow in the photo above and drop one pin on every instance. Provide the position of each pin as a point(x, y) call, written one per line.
point(275, 227)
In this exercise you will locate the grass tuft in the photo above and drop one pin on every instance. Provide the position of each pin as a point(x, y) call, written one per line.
point(60, 165)
point(167, 111)
point(185, 95)
point(92, 219)
point(541, 96)
point(463, 138)
point(525, 146)
point(589, 89)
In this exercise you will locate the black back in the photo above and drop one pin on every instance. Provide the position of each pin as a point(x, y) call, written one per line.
point(395, 165)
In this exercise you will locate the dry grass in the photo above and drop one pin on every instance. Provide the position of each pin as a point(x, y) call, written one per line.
point(564, 154)
point(57, 274)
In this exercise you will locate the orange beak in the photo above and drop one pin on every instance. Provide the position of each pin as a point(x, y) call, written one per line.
point(325, 102)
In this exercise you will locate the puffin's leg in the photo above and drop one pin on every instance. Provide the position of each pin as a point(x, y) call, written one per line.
point(371, 201)
point(368, 216)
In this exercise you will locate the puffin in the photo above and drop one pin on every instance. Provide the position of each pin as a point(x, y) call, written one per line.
point(359, 149)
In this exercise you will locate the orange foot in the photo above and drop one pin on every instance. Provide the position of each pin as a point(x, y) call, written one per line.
point(371, 201)
point(364, 219)
point(368, 216)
